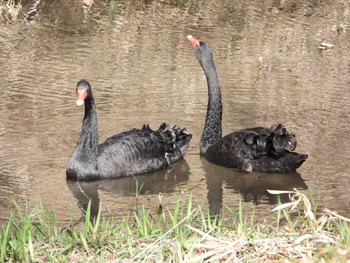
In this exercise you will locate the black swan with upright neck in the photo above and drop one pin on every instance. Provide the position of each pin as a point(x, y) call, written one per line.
point(256, 149)
point(128, 153)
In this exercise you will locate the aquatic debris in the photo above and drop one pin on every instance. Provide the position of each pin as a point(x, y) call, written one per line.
point(324, 45)
point(33, 10)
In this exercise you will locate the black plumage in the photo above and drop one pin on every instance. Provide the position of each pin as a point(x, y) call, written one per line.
point(252, 149)
point(128, 153)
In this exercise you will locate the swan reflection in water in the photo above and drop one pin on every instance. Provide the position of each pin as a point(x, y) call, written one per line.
point(162, 181)
point(252, 187)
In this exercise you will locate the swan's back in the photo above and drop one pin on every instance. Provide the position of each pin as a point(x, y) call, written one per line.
point(257, 149)
point(142, 150)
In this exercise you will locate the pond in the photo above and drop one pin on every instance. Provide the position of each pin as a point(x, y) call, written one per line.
point(276, 63)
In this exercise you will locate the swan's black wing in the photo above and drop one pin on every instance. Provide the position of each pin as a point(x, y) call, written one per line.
point(258, 149)
point(142, 150)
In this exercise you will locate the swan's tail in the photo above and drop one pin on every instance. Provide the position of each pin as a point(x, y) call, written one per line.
point(294, 160)
point(176, 138)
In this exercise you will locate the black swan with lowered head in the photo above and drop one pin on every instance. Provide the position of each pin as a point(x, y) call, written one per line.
point(256, 149)
point(128, 153)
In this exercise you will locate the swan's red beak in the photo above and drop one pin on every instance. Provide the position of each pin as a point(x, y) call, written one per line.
point(81, 95)
point(194, 42)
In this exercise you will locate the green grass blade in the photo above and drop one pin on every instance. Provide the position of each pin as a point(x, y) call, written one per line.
point(6, 238)
point(87, 224)
point(83, 240)
point(30, 247)
point(97, 220)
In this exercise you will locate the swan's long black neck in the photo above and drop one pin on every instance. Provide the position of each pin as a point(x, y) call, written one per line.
point(83, 163)
point(88, 141)
point(212, 130)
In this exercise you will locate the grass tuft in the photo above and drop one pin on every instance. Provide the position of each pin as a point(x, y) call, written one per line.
point(184, 234)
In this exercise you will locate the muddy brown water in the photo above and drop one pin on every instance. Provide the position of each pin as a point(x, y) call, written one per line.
point(142, 70)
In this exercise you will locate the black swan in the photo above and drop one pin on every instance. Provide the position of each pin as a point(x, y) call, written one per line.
point(256, 149)
point(128, 153)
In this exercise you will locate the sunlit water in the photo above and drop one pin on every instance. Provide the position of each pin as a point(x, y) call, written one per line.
point(142, 70)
